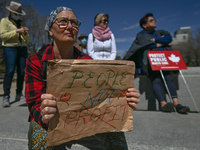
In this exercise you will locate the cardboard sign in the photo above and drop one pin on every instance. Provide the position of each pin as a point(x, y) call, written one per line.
point(90, 97)
point(166, 60)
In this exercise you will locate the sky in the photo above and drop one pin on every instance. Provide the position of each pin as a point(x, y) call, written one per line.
point(124, 15)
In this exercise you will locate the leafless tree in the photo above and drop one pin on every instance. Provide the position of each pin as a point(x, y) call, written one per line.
point(35, 23)
point(197, 49)
point(3, 11)
point(2, 3)
point(190, 50)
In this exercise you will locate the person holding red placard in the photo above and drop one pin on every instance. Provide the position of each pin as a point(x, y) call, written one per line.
point(156, 40)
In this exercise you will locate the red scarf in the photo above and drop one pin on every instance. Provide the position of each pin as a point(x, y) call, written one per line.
point(101, 34)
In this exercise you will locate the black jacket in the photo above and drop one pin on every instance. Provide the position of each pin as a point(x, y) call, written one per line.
point(140, 46)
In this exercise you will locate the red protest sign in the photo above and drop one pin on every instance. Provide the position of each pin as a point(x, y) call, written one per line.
point(166, 60)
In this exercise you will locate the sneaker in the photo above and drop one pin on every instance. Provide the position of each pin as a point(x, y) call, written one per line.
point(20, 97)
point(168, 107)
point(182, 109)
point(6, 102)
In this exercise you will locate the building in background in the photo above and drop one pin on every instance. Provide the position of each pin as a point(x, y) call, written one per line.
point(181, 35)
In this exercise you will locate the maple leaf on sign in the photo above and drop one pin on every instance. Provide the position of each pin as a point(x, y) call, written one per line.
point(173, 58)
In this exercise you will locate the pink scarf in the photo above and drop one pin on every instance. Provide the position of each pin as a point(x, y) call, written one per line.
point(101, 34)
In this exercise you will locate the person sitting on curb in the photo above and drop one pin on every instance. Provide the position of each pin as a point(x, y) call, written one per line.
point(157, 40)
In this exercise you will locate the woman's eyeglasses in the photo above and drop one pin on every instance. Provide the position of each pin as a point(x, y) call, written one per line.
point(63, 22)
point(151, 20)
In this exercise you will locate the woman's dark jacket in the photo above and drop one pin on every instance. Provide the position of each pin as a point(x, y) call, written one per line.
point(142, 44)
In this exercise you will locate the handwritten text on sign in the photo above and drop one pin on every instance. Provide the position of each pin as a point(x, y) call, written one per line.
point(90, 98)
point(93, 115)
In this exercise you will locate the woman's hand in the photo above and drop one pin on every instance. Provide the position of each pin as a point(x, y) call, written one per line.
point(153, 39)
point(159, 45)
point(132, 97)
point(48, 107)
point(22, 30)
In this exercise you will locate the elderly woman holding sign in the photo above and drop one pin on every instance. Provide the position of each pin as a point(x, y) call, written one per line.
point(62, 26)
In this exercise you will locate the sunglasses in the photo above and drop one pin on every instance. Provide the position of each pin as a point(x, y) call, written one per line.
point(105, 20)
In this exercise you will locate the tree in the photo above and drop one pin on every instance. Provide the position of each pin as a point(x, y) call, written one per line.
point(197, 49)
point(2, 3)
point(35, 22)
point(190, 50)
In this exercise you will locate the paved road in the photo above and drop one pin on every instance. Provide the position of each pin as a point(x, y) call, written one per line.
point(153, 130)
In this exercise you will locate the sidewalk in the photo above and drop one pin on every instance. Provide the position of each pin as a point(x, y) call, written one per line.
point(13, 88)
point(153, 130)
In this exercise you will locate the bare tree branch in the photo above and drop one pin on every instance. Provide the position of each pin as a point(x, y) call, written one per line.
point(2, 3)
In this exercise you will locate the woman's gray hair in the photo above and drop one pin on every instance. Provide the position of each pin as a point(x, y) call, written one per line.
point(52, 16)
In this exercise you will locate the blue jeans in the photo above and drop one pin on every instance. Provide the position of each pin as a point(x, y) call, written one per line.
point(157, 83)
point(14, 56)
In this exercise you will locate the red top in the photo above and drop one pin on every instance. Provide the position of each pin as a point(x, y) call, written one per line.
point(34, 81)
